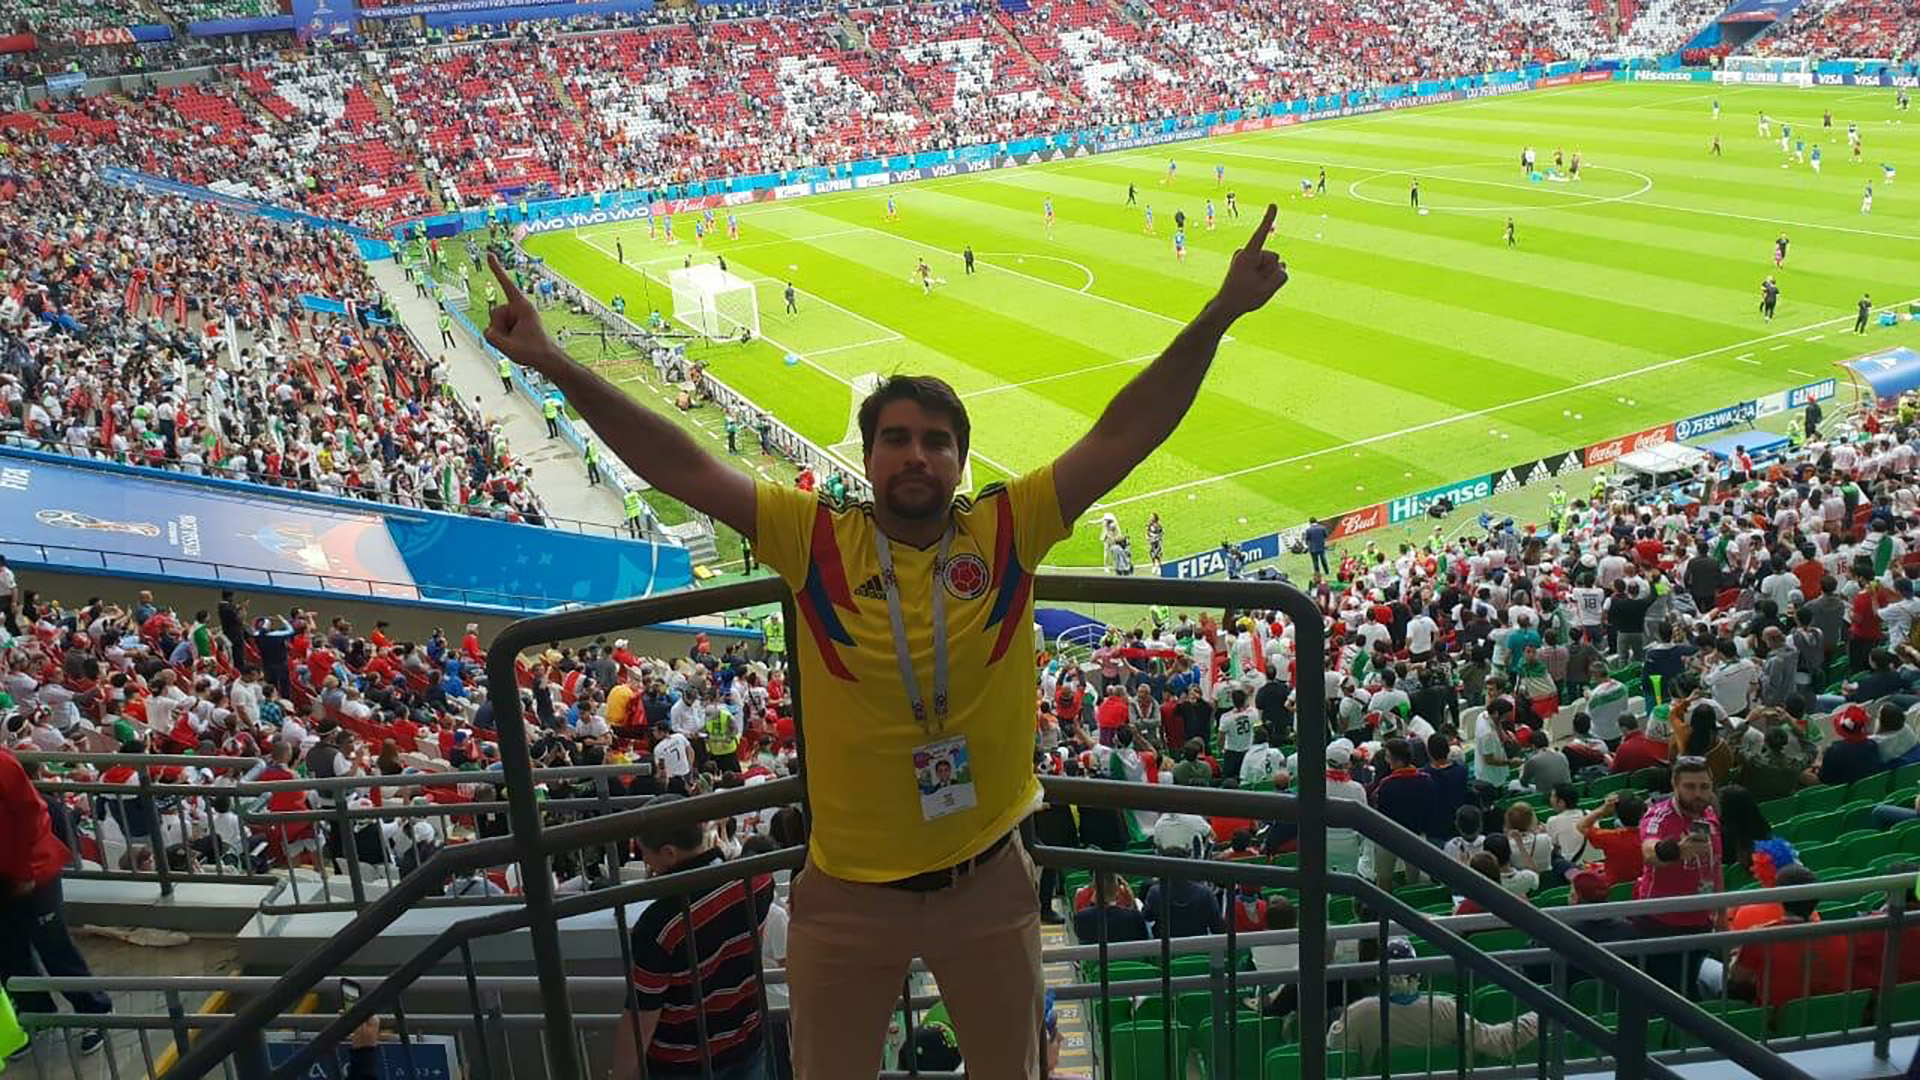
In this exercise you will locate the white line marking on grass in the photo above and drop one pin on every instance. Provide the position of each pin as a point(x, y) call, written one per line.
point(1802, 374)
point(1673, 101)
point(1778, 220)
point(1747, 358)
point(1470, 414)
point(1777, 348)
point(1003, 387)
point(1082, 267)
point(860, 344)
point(1816, 337)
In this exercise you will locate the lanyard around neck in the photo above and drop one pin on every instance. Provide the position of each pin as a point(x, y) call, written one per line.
point(909, 678)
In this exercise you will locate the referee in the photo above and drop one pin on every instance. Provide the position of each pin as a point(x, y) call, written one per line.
point(1413, 193)
point(792, 308)
point(1866, 308)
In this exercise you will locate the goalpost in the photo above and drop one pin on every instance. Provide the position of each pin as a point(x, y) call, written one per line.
point(714, 303)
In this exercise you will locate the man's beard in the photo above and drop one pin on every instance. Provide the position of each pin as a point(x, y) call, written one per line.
point(918, 501)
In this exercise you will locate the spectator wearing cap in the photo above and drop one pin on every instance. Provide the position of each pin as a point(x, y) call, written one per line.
point(1853, 755)
point(1422, 1019)
point(1343, 845)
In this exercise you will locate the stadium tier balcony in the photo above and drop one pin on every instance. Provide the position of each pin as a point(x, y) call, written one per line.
point(1659, 27)
point(1887, 29)
point(317, 402)
point(187, 11)
point(60, 18)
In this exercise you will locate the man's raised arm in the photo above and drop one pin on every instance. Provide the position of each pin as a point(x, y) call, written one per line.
point(1147, 409)
point(650, 444)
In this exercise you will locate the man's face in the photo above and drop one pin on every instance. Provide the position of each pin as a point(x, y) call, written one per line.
point(1693, 792)
point(944, 771)
point(915, 462)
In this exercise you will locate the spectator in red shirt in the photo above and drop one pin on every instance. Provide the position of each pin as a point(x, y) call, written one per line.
point(1778, 972)
point(1863, 622)
point(1641, 749)
point(1680, 841)
point(1111, 715)
point(1619, 847)
point(32, 923)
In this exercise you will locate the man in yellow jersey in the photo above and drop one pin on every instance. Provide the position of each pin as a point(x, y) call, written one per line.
point(919, 677)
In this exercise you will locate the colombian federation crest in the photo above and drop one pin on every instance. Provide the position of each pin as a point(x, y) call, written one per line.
point(966, 576)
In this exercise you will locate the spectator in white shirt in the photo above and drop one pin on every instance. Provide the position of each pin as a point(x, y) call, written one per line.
point(1733, 680)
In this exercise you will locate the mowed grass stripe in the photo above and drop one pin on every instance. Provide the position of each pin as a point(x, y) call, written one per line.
point(1393, 320)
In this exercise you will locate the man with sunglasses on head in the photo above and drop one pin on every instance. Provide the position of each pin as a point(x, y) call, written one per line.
point(1680, 840)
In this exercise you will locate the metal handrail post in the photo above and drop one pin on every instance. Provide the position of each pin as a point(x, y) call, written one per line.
point(156, 833)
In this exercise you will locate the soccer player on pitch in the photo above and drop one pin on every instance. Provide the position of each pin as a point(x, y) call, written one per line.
point(1209, 215)
point(1413, 193)
point(893, 212)
point(1780, 251)
point(1048, 207)
point(1180, 245)
point(1148, 227)
point(1219, 175)
point(1171, 166)
point(1511, 242)
point(1322, 188)
point(733, 226)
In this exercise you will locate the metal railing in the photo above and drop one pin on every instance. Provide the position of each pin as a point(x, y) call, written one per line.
point(277, 845)
point(471, 1004)
point(533, 845)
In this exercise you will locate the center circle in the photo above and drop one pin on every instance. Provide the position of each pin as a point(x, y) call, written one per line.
point(1569, 194)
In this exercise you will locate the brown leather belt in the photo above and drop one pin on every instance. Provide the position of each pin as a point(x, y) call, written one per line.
point(945, 877)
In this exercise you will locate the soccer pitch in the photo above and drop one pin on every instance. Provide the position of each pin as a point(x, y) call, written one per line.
point(1408, 351)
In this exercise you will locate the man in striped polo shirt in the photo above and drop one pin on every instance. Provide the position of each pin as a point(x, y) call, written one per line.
point(663, 1019)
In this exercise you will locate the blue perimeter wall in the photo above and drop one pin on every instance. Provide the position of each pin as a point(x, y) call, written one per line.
point(251, 534)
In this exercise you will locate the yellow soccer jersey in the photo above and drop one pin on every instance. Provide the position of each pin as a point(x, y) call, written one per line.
point(860, 731)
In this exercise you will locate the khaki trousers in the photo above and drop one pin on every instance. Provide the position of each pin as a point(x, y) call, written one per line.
point(850, 944)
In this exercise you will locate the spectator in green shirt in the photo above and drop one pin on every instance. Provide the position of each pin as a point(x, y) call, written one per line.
point(1191, 770)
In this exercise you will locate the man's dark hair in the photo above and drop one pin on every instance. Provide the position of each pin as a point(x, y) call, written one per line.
point(1688, 765)
point(1497, 845)
point(1796, 874)
point(930, 393)
point(685, 836)
point(1398, 752)
point(1629, 808)
point(1566, 795)
point(1468, 821)
point(1437, 747)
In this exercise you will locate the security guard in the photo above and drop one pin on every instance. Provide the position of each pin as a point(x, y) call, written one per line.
point(506, 374)
point(550, 412)
point(631, 503)
point(593, 462)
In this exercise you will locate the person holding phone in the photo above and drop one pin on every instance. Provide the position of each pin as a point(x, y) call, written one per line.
point(1680, 840)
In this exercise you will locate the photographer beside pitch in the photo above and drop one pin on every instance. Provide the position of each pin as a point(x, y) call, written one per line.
point(900, 863)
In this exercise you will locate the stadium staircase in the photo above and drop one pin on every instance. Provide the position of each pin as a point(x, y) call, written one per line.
point(1003, 20)
point(1154, 1007)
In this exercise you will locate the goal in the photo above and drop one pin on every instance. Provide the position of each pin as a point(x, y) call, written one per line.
point(714, 303)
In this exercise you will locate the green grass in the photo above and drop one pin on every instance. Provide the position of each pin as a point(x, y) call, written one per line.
point(1408, 351)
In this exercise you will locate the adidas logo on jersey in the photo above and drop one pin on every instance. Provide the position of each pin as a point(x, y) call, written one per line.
point(872, 589)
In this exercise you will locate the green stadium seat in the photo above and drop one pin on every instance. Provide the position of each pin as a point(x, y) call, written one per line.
point(1817, 857)
point(1493, 1005)
point(1909, 834)
point(1608, 785)
point(1579, 1049)
point(1622, 891)
point(1192, 1009)
point(1778, 811)
point(1854, 834)
point(1817, 828)
point(1824, 1013)
point(1737, 877)
point(1593, 997)
point(1340, 910)
point(1140, 1052)
point(1748, 1020)
point(1191, 965)
point(1420, 1060)
point(1547, 898)
point(1905, 776)
point(1906, 1002)
point(1284, 1064)
point(1500, 940)
point(1865, 850)
point(1121, 970)
point(1646, 778)
point(1421, 895)
point(1874, 787)
point(1253, 1039)
point(1820, 798)
point(1857, 814)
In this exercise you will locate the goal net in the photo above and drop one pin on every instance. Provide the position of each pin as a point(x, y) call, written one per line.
point(714, 303)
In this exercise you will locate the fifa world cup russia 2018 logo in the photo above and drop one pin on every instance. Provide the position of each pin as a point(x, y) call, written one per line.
point(74, 519)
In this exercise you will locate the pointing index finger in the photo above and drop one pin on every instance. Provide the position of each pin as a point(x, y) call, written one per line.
point(505, 279)
point(1264, 229)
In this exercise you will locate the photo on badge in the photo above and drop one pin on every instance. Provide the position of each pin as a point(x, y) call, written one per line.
point(945, 781)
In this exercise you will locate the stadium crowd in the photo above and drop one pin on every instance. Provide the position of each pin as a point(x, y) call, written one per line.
point(150, 331)
point(413, 128)
point(312, 696)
